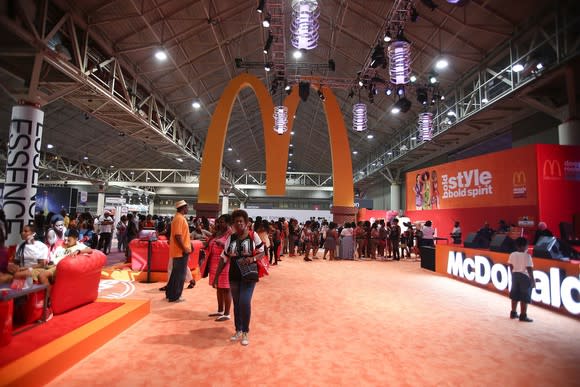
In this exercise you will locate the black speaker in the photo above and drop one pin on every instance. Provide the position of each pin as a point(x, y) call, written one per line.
point(475, 241)
point(502, 243)
point(547, 247)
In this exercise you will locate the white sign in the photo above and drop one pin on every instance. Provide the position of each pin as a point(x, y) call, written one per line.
point(84, 197)
point(553, 288)
point(109, 200)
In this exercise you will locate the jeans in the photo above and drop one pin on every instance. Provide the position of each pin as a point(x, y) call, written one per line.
point(105, 242)
point(177, 278)
point(242, 292)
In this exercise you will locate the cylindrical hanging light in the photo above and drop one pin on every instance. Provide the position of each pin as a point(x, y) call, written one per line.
point(399, 53)
point(425, 126)
point(359, 117)
point(305, 24)
point(280, 119)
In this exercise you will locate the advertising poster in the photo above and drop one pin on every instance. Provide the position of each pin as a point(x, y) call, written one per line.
point(506, 178)
point(53, 199)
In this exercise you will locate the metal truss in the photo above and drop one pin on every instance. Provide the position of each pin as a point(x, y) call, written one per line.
point(308, 181)
point(98, 83)
point(551, 42)
point(278, 31)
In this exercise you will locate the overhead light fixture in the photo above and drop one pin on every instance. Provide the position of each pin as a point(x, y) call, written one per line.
point(399, 53)
point(245, 169)
point(161, 55)
point(425, 126)
point(518, 67)
point(238, 161)
point(291, 145)
point(484, 100)
point(49, 146)
point(387, 37)
point(268, 66)
point(291, 154)
point(179, 159)
point(261, 5)
point(413, 78)
point(539, 66)
point(433, 78)
point(292, 133)
point(359, 117)
point(196, 104)
point(112, 166)
point(280, 119)
point(266, 21)
point(305, 24)
point(378, 57)
point(401, 106)
point(361, 83)
point(451, 113)
point(441, 64)
point(388, 91)
point(297, 54)
point(413, 138)
point(370, 136)
point(422, 96)
point(355, 152)
point(268, 43)
point(85, 157)
point(288, 87)
point(401, 91)
point(390, 153)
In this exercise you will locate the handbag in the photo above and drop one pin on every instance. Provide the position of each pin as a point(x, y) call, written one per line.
point(249, 272)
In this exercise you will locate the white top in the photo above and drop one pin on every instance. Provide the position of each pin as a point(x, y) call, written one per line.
point(234, 248)
point(428, 232)
point(105, 227)
point(520, 261)
point(33, 252)
point(456, 230)
point(347, 231)
point(62, 252)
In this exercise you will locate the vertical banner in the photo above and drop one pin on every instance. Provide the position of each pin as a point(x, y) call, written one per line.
point(22, 164)
point(83, 197)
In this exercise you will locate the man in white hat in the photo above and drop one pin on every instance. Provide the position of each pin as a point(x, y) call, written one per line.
point(106, 232)
point(179, 249)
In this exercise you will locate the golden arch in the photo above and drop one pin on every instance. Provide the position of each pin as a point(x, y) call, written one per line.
point(276, 145)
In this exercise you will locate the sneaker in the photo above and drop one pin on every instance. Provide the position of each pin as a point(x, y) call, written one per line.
point(514, 315)
point(191, 284)
point(245, 341)
point(525, 318)
point(236, 336)
point(224, 317)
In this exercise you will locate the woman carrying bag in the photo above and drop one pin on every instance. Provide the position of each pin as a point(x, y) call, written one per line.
point(215, 248)
point(242, 251)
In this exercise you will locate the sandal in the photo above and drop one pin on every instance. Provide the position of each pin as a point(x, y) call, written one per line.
point(191, 285)
point(216, 314)
point(224, 317)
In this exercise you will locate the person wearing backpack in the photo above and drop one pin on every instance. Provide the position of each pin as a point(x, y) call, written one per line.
point(242, 250)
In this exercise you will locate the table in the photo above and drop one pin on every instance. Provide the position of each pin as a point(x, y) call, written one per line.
point(8, 295)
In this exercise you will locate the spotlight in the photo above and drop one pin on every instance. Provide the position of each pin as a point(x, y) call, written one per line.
point(378, 56)
point(441, 64)
point(161, 55)
point(401, 91)
point(49, 146)
point(413, 78)
point(321, 95)
point(518, 67)
point(261, 5)
point(361, 83)
point(304, 90)
point(370, 136)
point(266, 21)
point(433, 78)
point(484, 100)
point(403, 105)
point(355, 152)
point(388, 37)
point(414, 14)
point(196, 105)
point(388, 91)
point(297, 54)
point(268, 43)
point(268, 66)
point(422, 96)
point(230, 149)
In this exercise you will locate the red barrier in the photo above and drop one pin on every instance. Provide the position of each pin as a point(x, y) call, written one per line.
point(159, 255)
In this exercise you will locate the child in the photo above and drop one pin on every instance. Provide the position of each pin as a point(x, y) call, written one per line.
point(520, 263)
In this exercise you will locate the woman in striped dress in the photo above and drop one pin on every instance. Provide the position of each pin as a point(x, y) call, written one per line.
point(215, 248)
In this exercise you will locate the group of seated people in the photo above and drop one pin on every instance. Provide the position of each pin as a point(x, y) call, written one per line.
point(35, 261)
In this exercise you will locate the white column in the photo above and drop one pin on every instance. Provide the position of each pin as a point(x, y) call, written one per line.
point(225, 204)
point(100, 203)
point(242, 205)
point(395, 197)
point(20, 186)
point(569, 133)
point(151, 206)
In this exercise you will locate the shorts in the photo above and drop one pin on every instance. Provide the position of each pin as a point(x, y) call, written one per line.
point(521, 288)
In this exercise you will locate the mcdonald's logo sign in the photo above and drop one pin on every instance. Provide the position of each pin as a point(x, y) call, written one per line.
point(519, 182)
point(275, 145)
point(552, 170)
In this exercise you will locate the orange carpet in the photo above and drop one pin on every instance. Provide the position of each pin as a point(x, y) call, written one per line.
point(340, 323)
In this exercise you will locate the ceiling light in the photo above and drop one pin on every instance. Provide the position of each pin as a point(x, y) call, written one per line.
point(518, 67)
point(266, 21)
point(361, 83)
point(289, 161)
point(539, 66)
point(422, 96)
point(402, 105)
point(49, 146)
point(359, 117)
point(441, 64)
point(305, 24)
point(112, 166)
point(196, 104)
point(179, 159)
point(268, 66)
point(413, 138)
point(484, 100)
point(387, 37)
point(395, 109)
point(401, 91)
point(442, 98)
point(85, 157)
point(161, 55)
point(261, 5)
point(292, 133)
point(399, 53)
point(230, 149)
point(245, 169)
point(238, 161)
point(451, 113)
point(388, 91)
point(433, 79)
point(390, 153)
point(297, 54)
point(355, 152)
point(291, 154)
point(291, 145)
point(425, 126)
point(370, 136)
point(280, 119)
point(287, 87)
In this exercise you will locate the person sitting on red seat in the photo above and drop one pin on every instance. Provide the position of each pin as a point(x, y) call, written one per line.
point(30, 259)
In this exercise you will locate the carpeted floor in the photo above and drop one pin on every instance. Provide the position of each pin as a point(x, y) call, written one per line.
point(341, 323)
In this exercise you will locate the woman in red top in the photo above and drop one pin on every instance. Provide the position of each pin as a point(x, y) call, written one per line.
point(215, 249)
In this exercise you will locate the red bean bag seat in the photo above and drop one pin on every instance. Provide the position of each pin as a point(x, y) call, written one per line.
point(77, 281)
point(159, 255)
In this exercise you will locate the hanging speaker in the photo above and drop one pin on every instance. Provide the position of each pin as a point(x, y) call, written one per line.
point(304, 90)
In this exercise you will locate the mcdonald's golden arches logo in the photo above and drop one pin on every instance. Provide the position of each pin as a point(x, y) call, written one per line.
point(519, 178)
point(519, 181)
point(552, 170)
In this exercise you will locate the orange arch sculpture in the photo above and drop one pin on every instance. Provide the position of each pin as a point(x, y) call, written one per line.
point(276, 145)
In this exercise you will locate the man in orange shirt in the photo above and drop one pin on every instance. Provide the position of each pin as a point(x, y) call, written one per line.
point(179, 249)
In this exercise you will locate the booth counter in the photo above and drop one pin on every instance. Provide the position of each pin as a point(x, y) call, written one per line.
point(557, 282)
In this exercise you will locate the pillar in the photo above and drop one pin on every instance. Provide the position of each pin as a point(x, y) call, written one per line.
point(569, 132)
point(22, 163)
point(151, 206)
point(225, 204)
point(100, 203)
point(342, 214)
point(209, 210)
point(395, 197)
